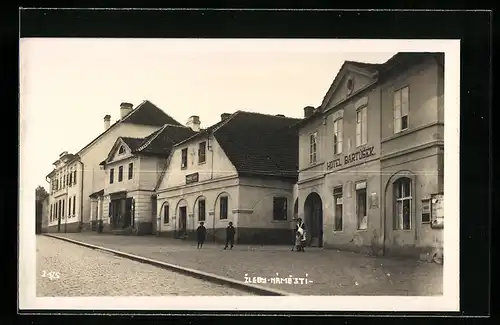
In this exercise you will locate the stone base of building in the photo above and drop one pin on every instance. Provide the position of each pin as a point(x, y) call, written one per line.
point(70, 227)
point(143, 228)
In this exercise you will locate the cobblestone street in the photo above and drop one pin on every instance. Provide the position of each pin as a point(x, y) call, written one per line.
point(66, 269)
point(330, 272)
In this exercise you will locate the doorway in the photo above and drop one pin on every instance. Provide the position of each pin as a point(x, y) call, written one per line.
point(313, 215)
point(182, 221)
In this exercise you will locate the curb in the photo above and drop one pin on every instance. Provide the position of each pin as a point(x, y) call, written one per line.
point(217, 279)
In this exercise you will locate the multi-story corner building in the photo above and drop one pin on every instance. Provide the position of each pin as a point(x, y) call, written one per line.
point(242, 169)
point(132, 168)
point(76, 177)
point(371, 158)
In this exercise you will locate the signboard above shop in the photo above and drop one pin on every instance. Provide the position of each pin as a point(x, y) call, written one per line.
point(351, 158)
point(192, 178)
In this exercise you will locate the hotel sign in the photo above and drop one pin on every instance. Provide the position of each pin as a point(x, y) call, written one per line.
point(350, 158)
point(192, 178)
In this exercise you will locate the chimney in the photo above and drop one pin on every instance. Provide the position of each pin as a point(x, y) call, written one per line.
point(308, 111)
point(194, 123)
point(125, 108)
point(107, 121)
point(224, 116)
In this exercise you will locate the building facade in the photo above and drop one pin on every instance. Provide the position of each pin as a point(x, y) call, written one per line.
point(240, 170)
point(132, 169)
point(371, 158)
point(87, 175)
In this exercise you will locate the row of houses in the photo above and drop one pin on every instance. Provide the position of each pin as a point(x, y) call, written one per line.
point(364, 169)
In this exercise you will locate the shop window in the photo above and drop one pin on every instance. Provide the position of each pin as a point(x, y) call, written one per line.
point(337, 136)
point(223, 207)
point(361, 211)
point(338, 210)
point(279, 208)
point(361, 126)
point(201, 210)
point(401, 104)
point(403, 204)
point(313, 142)
point(166, 214)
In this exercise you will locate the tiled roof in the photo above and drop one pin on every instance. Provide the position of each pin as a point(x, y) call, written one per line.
point(148, 114)
point(162, 141)
point(259, 144)
point(133, 143)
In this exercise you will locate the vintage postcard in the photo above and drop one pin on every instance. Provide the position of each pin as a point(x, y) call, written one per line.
point(239, 174)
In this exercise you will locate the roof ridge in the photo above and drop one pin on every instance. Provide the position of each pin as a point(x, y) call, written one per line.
point(271, 115)
point(145, 144)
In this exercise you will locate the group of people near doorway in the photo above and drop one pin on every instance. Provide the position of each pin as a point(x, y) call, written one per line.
point(300, 235)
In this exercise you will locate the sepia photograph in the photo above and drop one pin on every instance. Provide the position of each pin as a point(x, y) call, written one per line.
point(217, 174)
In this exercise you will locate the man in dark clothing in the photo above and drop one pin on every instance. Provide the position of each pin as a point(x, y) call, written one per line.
point(201, 233)
point(230, 231)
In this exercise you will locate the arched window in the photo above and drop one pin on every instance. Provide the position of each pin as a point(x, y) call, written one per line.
point(403, 204)
point(121, 150)
point(166, 214)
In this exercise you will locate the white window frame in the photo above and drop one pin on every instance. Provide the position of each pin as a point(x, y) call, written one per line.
point(338, 135)
point(313, 147)
point(362, 126)
point(400, 203)
point(184, 164)
point(401, 105)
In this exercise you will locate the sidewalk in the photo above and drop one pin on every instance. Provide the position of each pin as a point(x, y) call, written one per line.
point(331, 272)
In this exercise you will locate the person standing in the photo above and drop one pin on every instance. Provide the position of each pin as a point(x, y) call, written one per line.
point(301, 234)
point(230, 231)
point(201, 232)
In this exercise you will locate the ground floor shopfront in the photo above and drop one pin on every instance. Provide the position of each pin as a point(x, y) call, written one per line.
point(378, 207)
point(261, 210)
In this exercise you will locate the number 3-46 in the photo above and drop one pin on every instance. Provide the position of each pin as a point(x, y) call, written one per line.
point(51, 275)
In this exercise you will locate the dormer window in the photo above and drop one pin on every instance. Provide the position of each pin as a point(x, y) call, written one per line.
point(121, 150)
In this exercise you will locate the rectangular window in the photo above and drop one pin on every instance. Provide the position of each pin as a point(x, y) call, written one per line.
point(51, 206)
point(337, 136)
point(338, 210)
point(223, 207)
point(313, 141)
point(70, 178)
point(402, 191)
point(64, 181)
point(184, 158)
point(279, 208)
point(63, 204)
point(202, 152)
point(130, 170)
point(69, 206)
point(426, 211)
point(361, 126)
point(166, 214)
point(111, 175)
point(74, 177)
point(401, 104)
point(361, 211)
point(201, 210)
point(120, 173)
point(74, 205)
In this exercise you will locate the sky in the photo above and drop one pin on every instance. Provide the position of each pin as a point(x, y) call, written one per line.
point(68, 85)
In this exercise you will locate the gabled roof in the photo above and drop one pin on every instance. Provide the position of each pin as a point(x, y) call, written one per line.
point(158, 143)
point(257, 144)
point(133, 143)
point(380, 71)
point(145, 113)
point(162, 141)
